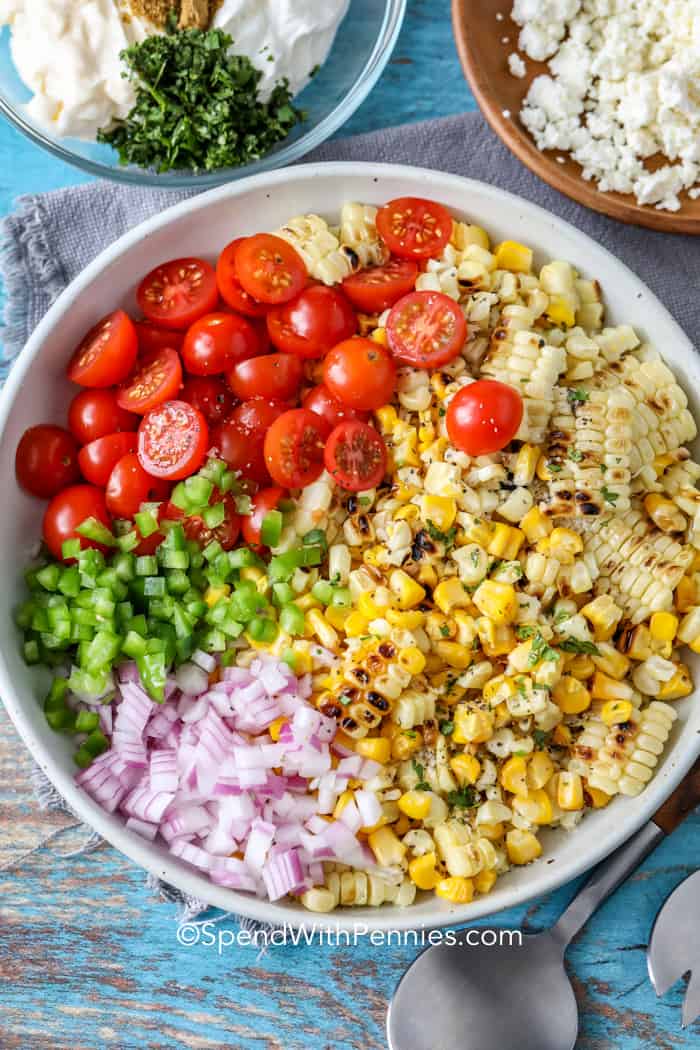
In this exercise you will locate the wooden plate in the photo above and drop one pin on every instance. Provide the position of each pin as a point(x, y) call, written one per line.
point(484, 57)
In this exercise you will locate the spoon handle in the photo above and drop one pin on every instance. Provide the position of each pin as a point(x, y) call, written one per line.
point(613, 871)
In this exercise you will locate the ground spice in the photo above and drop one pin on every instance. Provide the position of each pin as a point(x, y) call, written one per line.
point(193, 14)
point(156, 11)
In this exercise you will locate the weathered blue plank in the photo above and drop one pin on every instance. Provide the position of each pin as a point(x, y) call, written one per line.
point(89, 961)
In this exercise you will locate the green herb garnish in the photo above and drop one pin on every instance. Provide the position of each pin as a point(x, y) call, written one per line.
point(539, 650)
point(524, 631)
point(419, 770)
point(575, 645)
point(575, 454)
point(447, 728)
point(576, 396)
point(465, 798)
point(448, 538)
point(540, 737)
point(197, 106)
point(608, 496)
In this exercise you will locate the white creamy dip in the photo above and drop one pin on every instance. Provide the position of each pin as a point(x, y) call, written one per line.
point(67, 52)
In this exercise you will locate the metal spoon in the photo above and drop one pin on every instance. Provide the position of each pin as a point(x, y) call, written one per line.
point(458, 997)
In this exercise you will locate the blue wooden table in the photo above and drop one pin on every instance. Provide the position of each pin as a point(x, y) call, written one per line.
point(90, 961)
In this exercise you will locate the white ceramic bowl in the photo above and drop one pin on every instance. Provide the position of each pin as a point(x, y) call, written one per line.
point(37, 391)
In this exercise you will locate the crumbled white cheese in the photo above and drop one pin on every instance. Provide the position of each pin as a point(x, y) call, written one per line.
point(516, 65)
point(624, 86)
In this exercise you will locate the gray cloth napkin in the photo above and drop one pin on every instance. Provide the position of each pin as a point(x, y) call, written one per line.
point(51, 238)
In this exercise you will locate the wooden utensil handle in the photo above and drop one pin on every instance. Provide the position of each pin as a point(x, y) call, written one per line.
point(683, 800)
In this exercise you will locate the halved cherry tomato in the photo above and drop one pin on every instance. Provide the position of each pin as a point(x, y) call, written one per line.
point(226, 533)
point(130, 485)
point(107, 353)
point(69, 509)
point(46, 460)
point(155, 380)
point(294, 448)
point(426, 329)
point(99, 458)
point(173, 440)
point(239, 439)
point(311, 324)
point(332, 411)
point(260, 504)
point(210, 395)
point(94, 413)
point(379, 287)
point(484, 416)
point(176, 293)
point(152, 338)
point(269, 269)
point(361, 373)
point(355, 456)
point(413, 228)
point(231, 289)
point(217, 342)
point(275, 375)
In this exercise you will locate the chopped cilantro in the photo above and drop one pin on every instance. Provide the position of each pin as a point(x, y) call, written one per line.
point(524, 631)
point(465, 798)
point(555, 468)
point(540, 738)
point(609, 496)
point(445, 630)
point(419, 770)
point(575, 454)
point(197, 105)
point(575, 645)
point(539, 650)
point(576, 396)
point(448, 538)
point(364, 501)
point(447, 728)
point(442, 412)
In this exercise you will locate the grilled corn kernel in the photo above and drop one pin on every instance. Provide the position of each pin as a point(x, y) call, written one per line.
point(472, 725)
point(411, 659)
point(422, 871)
point(616, 712)
point(408, 593)
point(387, 848)
point(510, 255)
point(636, 643)
point(408, 620)
point(427, 574)
point(686, 594)
point(604, 615)
point(275, 728)
point(610, 661)
point(368, 607)
point(569, 791)
point(561, 736)
point(542, 470)
point(580, 666)
point(570, 695)
point(536, 807)
point(327, 635)
point(303, 662)
point(540, 770)
point(560, 311)
point(441, 511)
point(356, 625)
point(496, 600)
point(524, 472)
point(678, 686)
point(564, 544)
point(214, 594)
point(496, 639)
point(415, 804)
point(603, 687)
point(409, 512)
point(456, 889)
point(450, 594)
point(387, 418)
point(454, 654)
point(377, 748)
point(405, 744)
point(505, 542)
point(535, 525)
point(513, 776)
point(484, 881)
point(466, 768)
point(466, 627)
point(663, 626)
point(599, 799)
point(522, 846)
point(343, 800)
point(337, 616)
point(664, 513)
point(498, 689)
point(319, 899)
point(379, 336)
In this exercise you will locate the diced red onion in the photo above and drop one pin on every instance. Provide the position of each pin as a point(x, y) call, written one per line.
point(283, 874)
point(191, 679)
point(204, 660)
point(146, 831)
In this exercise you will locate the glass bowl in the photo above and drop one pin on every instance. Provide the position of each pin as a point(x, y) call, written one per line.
point(362, 47)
